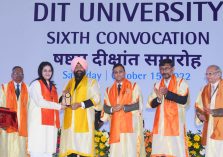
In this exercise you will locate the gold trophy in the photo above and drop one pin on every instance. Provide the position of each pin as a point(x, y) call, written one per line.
point(66, 98)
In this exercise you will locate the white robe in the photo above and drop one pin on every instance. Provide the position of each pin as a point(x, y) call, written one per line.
point(214, 148)
point(41, 138)
point(131, 144)
point(170, 145)
point(12, 144)
point(82, 143)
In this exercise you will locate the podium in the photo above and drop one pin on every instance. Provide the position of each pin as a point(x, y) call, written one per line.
point(8, 119)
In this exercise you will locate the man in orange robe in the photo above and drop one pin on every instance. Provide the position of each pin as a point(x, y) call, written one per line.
point(169, 97)
point(15, 97)
point(123, 107)
point(209, 111)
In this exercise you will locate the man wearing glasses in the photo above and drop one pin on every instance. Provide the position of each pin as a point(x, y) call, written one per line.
point(209, 111)
point(15, 97)
point(169, 97)
point(123, 107)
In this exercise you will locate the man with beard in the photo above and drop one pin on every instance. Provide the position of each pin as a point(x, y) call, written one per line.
point(77, 134)
point(15, 97)
point(209, 111)
point(169, 96)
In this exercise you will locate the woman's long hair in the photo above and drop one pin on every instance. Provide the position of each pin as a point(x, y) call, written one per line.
point(40, 75)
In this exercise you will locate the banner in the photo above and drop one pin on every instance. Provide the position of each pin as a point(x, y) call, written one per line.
point(135, 33)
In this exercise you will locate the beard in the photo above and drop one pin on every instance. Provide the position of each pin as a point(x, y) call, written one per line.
point(79, 74)
point(166, 76)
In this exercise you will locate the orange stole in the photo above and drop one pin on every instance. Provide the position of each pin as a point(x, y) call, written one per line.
point(121, 122)
point(171, 117)
point(48, 115)
point(11, 103)
point(218, 121)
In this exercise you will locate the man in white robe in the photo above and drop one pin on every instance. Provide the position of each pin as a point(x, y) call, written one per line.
point(169, 97)
point(209, 111)
point(15, 97)
point(123, 108)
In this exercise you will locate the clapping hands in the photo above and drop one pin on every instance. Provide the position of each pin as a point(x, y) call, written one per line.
point(160, 92)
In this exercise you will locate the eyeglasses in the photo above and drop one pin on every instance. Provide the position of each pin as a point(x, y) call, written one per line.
point(211, 73)
point(165, 69)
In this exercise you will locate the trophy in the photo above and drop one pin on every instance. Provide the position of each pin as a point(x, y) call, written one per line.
point(67, 98)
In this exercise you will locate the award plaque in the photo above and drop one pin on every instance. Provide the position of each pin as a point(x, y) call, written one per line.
point(67, 98)
point(8, 119)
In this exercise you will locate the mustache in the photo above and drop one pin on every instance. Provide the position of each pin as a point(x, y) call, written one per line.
point(79, 71)
point(165, 75)
point(79, 74)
